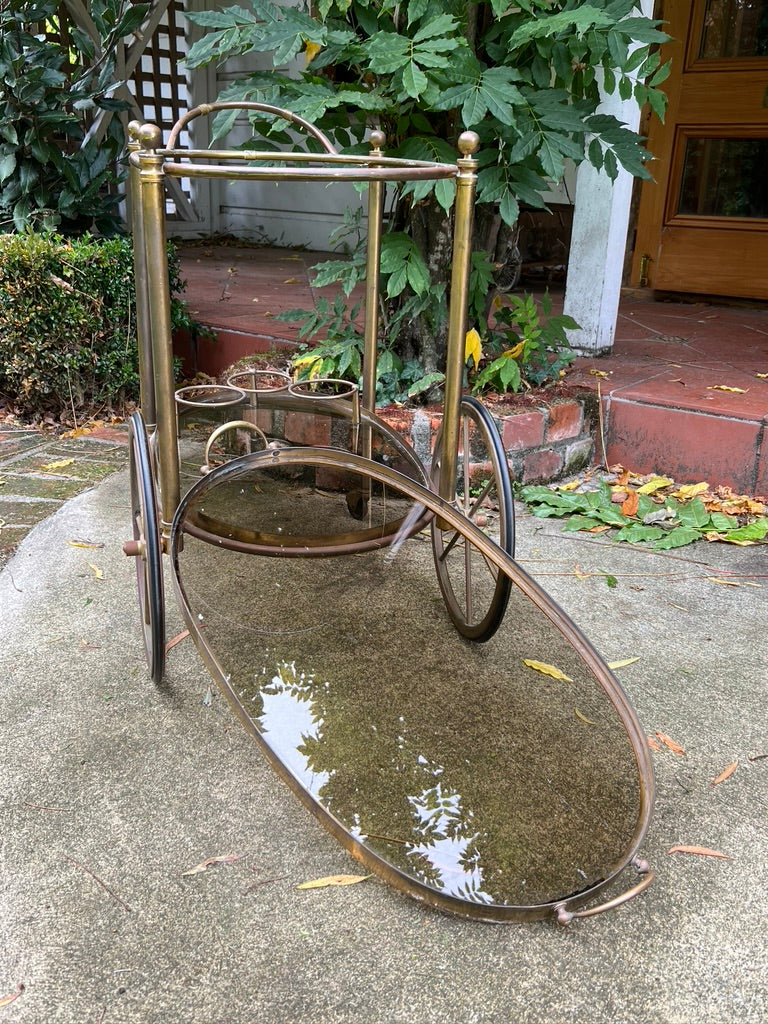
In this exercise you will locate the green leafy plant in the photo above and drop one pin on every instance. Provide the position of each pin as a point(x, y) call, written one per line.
point(534, 348)
point(53, 173)
point(524, 76)
point(68, 322)
point(654, 513)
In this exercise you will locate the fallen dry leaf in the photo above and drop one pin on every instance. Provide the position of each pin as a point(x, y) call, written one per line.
point(725, 774)
point(598, 373)
point(629, 507)
point(209, 862)
point(321, 883)
point(762, 376)
point(97, 572)
point(7, 1000)
point(547, 670)
point(655, 484)
point(701, 851)
point(58, 465)
point(724, 387)
point(670, 743)
point(176, 640)
point(653, 744)
point(724, 583)
point(689, 491)
point(84, 544)
point(583, 718)
point(622, 664)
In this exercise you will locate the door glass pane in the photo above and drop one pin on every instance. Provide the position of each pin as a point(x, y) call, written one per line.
point(734, 28)
point(725, 178)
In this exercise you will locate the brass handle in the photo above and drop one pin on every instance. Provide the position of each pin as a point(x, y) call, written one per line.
point(565, 916)
point(232, 425)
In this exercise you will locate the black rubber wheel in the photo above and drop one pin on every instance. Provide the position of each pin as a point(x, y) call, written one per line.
point(475, 592)
point(147, 547)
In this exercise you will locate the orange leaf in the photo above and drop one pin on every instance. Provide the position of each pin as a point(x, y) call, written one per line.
point(701, 851)
point(725, 774)
point(674, 747)
point(629, 507)
point(176, 640)
point(653, 744)
point(598, 529)
point(7, 1000)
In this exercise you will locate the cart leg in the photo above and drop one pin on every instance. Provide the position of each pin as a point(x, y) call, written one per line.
point(475, 593)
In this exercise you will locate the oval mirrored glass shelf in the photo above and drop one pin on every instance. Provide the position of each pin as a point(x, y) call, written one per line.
point(452, 769)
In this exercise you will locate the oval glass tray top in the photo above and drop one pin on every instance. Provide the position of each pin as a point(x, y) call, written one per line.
point(451, 769)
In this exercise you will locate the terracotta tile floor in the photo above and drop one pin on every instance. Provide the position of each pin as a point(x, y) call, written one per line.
point(662, 409)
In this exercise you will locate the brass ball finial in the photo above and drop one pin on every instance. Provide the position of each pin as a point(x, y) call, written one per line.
point(150, 136)
point(133, 130)
point(468, 143)
point(377, 139)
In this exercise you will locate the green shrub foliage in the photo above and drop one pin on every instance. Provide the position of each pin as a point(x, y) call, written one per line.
point(54, 172)
point(68, 322)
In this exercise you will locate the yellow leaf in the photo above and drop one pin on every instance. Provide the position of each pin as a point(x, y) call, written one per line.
point(515, 352)
point(583, 718)
point(547, 670)
point(225, 858)
point(84, 544)
point(654, 485)
point(96, 571)
point(473, 347)
point(568, 487)
point(622, 664)
point(58, 465)
point(321, 883)
point(312, 361)
point(724, 583)
point(598, 373)
point(311, 50)
point(690, 491)
point(724, 387)
point(762, 376)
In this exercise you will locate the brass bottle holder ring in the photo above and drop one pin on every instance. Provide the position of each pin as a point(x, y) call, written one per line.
point(209, 396)
point(260, 382)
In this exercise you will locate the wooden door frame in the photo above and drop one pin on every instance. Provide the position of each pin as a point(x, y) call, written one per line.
point(703, 116)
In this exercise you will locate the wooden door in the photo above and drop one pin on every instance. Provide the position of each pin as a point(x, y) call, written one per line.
point(703, 224)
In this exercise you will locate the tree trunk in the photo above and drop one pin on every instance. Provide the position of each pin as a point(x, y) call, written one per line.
point(422, 337)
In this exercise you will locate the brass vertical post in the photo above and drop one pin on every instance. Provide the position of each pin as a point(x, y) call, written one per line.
point(143, 333)
point(372, 274)
point(466, 180)
point(151, 177)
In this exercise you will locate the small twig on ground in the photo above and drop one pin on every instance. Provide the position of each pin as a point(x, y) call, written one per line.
point(98, 881)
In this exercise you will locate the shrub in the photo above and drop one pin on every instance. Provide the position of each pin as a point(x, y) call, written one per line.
point(68, 322)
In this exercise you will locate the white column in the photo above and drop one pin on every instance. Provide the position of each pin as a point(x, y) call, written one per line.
point(599, 240)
